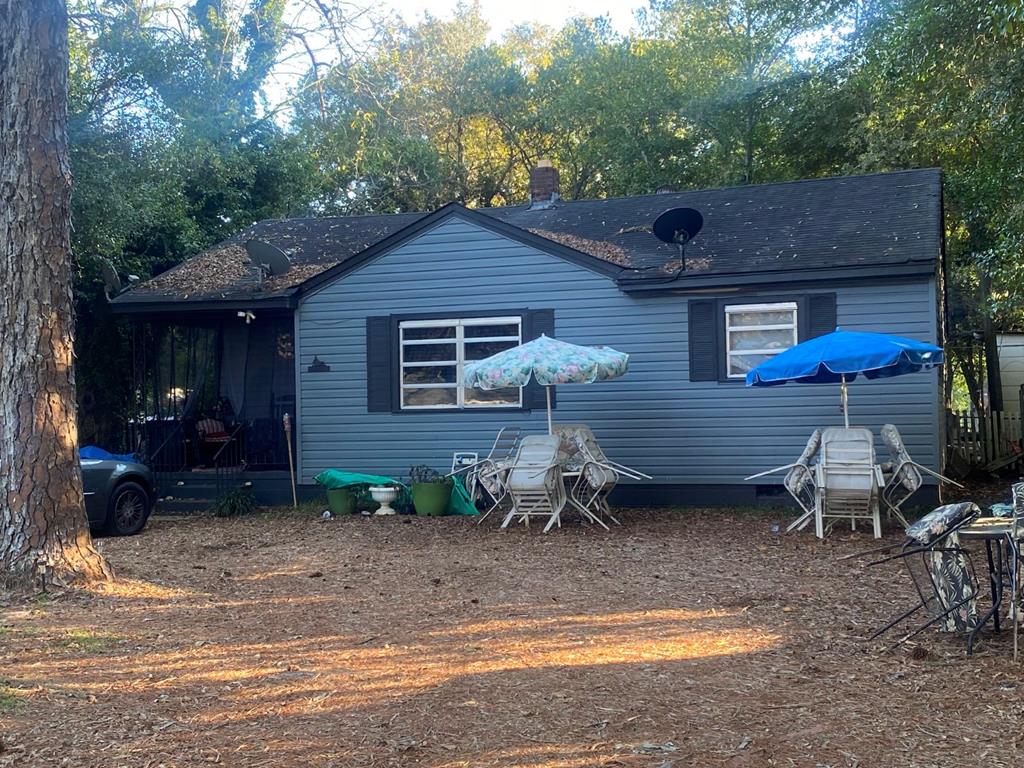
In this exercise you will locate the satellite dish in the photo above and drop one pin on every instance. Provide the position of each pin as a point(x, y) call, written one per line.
point(269, 257)
point(678, 225)
point(111, 282)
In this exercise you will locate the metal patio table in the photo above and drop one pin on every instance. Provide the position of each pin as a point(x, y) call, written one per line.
point(994, 531)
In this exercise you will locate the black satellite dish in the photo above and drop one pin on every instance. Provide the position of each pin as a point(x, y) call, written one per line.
point(269, 257)
point(111, 282)
point(678, 225)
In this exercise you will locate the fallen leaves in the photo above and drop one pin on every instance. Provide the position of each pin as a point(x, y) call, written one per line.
point(433, 643)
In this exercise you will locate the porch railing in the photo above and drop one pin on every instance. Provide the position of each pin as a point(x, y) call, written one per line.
point(988, 441)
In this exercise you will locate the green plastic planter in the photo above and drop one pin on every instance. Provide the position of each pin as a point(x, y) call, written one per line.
point(341, 501)
point(431, 499)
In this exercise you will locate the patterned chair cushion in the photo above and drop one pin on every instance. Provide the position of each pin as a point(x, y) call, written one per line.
point(940, 520)
point(909, 477)
point(954, 587)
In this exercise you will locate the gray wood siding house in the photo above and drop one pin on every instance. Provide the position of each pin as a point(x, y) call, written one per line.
point(860, 253)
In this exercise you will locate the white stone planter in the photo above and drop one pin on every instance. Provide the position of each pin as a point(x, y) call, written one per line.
point(384, 495)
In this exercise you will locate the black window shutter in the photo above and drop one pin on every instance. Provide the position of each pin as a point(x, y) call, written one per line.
point(703, 338)
point(821, 314)
point(379, 353)
point(538, 321)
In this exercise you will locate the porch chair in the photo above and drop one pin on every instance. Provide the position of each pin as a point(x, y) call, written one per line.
point(491, 472)
point(848, 480)
point(941, 571)
point(800, 481)
point(535, 483)
point(906, 475)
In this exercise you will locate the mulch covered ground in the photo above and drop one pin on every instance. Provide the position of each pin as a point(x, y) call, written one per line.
point(684, 638)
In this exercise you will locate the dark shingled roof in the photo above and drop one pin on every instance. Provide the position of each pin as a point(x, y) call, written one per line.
point(879, 220)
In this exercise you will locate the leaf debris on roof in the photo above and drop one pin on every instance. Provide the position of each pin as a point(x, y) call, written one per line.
point(602, 250)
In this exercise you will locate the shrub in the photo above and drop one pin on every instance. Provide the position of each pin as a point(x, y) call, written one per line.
point(236, 503)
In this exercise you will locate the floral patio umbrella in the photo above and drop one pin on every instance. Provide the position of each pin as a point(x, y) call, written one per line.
point(549, 361)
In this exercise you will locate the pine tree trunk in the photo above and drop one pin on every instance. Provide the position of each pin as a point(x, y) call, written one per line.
point(44, 536)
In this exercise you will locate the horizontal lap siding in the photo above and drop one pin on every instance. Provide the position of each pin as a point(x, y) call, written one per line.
point(653, 418)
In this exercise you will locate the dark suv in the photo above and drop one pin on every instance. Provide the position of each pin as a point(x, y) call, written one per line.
point(119, 494)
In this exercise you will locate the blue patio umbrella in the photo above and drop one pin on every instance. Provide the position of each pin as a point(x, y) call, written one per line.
point(841, 356)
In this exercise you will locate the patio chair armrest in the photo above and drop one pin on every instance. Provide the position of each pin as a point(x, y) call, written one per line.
point(783, 468)
point(465, 468)
point(635, 474)
point(935, 474)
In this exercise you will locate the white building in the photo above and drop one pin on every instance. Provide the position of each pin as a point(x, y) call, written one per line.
point(1011, 368)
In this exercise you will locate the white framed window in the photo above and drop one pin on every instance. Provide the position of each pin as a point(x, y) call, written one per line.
point(757, 332)
point(433, 354)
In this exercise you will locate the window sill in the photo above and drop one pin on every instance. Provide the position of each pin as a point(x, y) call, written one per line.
point(474, 411)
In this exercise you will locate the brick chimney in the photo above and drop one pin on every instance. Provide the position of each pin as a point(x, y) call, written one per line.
point(544, 189)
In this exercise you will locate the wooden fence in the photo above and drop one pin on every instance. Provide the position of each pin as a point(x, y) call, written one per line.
point(988, 441)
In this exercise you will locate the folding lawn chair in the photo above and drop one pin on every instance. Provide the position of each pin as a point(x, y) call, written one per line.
point(535, 483)
point(941, 571)
point(490, 473)
point(906, 475)
point(800, 481)
point(848, 479)
point(597, 475)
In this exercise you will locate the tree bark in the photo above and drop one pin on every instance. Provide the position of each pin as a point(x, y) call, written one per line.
point(44, 535)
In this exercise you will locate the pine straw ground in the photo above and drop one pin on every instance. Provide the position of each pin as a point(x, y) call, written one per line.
point(684, 638)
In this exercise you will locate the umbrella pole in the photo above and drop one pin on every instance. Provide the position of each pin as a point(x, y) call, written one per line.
point(547, 391)
point(844, 398)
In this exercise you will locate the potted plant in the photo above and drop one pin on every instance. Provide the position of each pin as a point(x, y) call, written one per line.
point(341, 501)
point(430, 491)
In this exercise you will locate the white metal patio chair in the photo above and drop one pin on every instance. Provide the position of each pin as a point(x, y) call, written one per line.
point(848, 479)
point(535, 483)
point(596, 475)
point(800, 481)
point(490, 473)
point(906, 477)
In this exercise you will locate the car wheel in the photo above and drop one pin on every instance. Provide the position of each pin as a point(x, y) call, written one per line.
point(128, 509)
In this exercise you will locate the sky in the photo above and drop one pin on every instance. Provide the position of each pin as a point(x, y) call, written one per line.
point(503, 14)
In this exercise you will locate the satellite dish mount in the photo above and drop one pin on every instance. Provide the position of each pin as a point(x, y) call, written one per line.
point(679, 226)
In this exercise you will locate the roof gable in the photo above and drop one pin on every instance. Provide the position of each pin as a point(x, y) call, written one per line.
point(455, 210)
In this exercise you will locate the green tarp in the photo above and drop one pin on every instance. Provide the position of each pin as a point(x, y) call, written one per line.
point(459, 504)
point(335, 478)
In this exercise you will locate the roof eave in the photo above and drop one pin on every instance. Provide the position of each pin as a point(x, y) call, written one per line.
point(701, 283)
point(174, 306)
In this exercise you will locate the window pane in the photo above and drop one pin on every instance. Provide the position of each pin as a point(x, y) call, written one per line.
point(415, 334)
point(777, 339)
point(478, 350)
point(481, 331)
point(428, 353)
point(493, 397)
point(773, 317)
point(429, 374)
point(740, 364)
point(424, 397)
